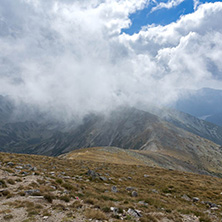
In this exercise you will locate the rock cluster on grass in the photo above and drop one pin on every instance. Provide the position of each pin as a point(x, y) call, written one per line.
point(94, 175)
point(63, 192)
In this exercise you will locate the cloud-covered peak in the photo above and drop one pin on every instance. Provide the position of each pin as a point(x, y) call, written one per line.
point(69, 57)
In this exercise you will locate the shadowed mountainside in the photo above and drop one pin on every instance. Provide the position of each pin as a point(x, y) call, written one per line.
point(203, 103)
point(191, 124)
point(163, 140)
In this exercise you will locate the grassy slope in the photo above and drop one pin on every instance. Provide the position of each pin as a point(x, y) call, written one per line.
point(204, 163)
point(161, 191)
point(105, 154)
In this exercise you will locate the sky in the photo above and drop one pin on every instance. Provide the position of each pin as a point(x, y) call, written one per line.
point(79, 56)
point(161, 13)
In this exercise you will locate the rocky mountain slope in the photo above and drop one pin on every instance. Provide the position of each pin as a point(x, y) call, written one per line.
point(204, 103)
point(54, 189)
point(191, 124)
point(163, 138)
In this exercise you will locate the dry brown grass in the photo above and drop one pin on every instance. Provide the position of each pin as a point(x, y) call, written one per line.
point(162, 189)
point(95, 214)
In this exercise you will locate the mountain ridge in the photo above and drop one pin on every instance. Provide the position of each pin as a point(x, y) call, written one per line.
point(165, 137)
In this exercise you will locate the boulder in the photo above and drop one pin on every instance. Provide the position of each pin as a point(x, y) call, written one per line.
point(114, 210)
point(185, 197)
point(130, 188)
point(143, 203)
point(10, 164)
point(31, 192)
point(114, 189)
point(92, 174)
point(210, 204)
point(134, 212)
point(103, 178)
point(134, 194)
point(195, 199)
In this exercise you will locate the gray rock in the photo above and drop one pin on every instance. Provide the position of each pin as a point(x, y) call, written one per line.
point(66, 177)
point(103, 178)
point(211, 205)
point(53, 187)
point(185, 197)
point(214, 208)
point(143, 203)
point(31, 192)
point(114, 189)
point(145, 175)
point(114, 210)
point(33, 169)
point(79, 177)
point(2, 190)
point(134, 194)
point(154, 191)
point(28, 166)
point(130, 188)
point(168, 194)
point(134, 212)
point(10, 164)
point(92, 174)
point(36, 197)
point(195, 199)
point(214, 205)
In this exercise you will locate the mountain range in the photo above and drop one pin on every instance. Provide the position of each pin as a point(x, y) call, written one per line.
point(204, 103)
point(163, 137)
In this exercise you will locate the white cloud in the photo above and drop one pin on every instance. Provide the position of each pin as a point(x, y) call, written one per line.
point(68, 57)
point(196, 3)
point(187, 52)
point(170, 4)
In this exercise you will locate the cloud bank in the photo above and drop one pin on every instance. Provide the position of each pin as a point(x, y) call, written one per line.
point(70, 57)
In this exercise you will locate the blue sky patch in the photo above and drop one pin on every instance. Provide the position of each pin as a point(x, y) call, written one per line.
point(161, 16)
